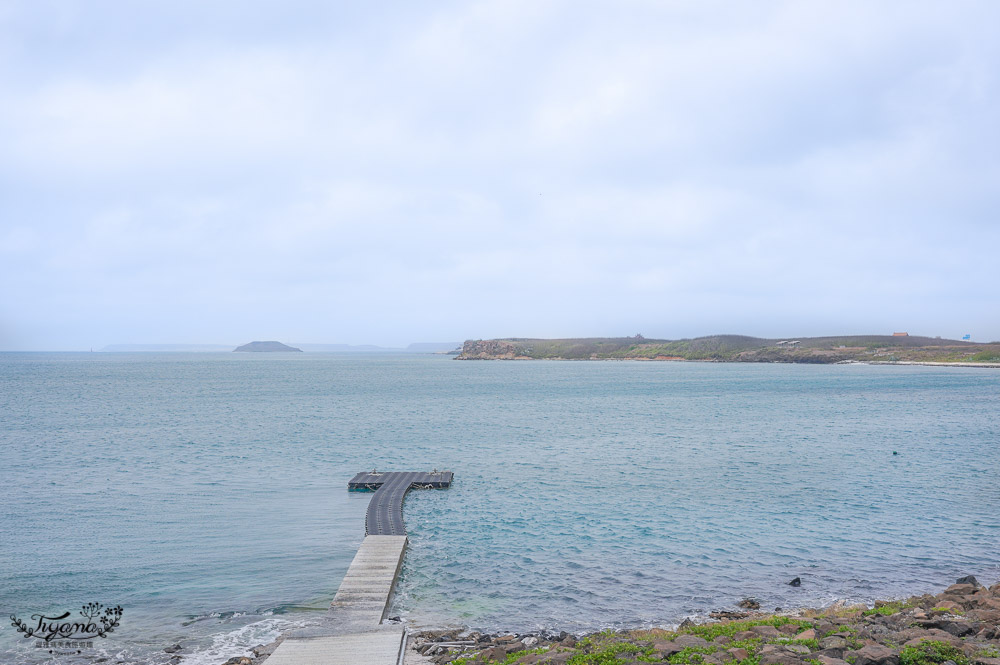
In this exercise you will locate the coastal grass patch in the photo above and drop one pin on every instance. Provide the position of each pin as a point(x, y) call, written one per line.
point(710, 631)
point(596, 639)
point(509, 660)
point(887, 609)
point(949, 610)
point(752, 659)
point(695, 655)
point(606, 647)
point(651, 634)
point(989, 356)
point(607, 654)
point(752, 645)
point(932, 652)
point(517, 655)
point(849, 612)
point(692, 655)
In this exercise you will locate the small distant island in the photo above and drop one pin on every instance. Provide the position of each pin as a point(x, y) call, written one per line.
point(266, 347)
point(899, 348)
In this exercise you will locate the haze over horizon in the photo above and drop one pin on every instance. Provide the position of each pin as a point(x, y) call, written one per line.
point(185, 173)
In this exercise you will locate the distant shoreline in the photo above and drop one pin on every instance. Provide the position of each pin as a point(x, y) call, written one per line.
point(870, 349)
point(930, 364)
point(773, 362)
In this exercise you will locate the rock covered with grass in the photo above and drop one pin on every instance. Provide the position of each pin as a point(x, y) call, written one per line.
point(960, 626)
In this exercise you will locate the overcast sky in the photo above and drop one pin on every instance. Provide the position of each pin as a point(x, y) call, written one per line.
point(219, 172)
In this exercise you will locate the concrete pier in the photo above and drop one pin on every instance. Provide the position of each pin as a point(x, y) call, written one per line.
point(359, 648)
point(352, 633)
point(363, 596)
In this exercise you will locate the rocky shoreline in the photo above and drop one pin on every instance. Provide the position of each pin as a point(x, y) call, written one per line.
point(959, 626)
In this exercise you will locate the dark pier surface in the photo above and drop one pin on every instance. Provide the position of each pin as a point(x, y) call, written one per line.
point(385, 511)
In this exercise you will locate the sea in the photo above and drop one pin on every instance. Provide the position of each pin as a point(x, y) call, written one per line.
point(206, 493)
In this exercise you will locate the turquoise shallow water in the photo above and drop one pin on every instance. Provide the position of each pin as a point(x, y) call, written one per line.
point(206, 493)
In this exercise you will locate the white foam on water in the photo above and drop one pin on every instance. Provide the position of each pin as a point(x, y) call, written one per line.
point(239, 642)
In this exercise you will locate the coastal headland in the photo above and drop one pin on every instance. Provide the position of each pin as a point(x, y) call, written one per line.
point(902, 349)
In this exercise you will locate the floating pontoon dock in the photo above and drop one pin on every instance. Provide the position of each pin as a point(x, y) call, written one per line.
point(385, 510)
point(352, 632)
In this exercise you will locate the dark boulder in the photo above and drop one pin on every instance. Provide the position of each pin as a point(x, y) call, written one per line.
point(829, 660)
point(796, 582)
point(728, 615)
point(780, 658)
point(956, 627)
point(960, 589)
point(874, 654)
point(968, 579)
point(690, 641)
point(765, 631)
point(667, 649)
point(493, 653)
point(961, 628)
point(831, 652)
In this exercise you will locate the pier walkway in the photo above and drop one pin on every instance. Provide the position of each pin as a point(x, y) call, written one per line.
point(352, 632)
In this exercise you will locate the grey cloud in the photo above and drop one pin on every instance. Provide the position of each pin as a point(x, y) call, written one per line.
point(189, 173)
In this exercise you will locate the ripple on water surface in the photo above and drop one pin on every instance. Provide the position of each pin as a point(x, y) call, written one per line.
point(586, 494)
